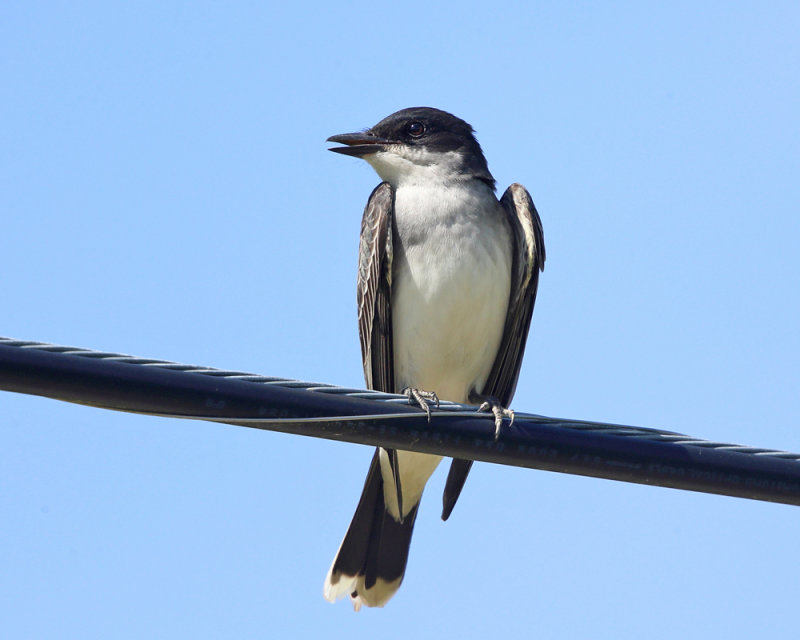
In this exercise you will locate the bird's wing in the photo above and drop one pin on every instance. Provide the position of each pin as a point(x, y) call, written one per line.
point(374, 302)
point(529, 256)
point(527, 240)
point(375, 290)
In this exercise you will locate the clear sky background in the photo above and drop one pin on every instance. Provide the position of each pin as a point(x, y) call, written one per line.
point(165, 191)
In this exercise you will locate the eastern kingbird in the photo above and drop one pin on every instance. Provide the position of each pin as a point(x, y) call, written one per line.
point(447, 279)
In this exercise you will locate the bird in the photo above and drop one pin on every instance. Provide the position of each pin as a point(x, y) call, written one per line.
point(447, 281)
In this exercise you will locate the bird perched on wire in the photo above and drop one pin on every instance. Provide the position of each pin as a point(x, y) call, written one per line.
point(447, 279)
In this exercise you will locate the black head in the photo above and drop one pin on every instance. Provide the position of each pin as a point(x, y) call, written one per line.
point(422, 128)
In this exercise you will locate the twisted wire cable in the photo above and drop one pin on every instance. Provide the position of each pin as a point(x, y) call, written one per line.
point(629, 453)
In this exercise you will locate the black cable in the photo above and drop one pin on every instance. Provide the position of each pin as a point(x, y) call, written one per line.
point(631, 454)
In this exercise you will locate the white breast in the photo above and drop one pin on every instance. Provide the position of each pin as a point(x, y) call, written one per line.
point(450, 287)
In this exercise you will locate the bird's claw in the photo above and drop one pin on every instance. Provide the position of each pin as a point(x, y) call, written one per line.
point(499, 413)
point(422, 398)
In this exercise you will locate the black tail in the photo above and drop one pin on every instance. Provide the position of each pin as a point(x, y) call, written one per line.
point(372, 558)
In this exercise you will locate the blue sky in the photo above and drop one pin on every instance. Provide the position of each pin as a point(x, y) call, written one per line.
point(165, 190)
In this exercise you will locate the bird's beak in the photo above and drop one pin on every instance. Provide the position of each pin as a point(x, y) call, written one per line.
point(358, 144)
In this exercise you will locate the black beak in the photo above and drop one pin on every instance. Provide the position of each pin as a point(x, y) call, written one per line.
point(358, 144)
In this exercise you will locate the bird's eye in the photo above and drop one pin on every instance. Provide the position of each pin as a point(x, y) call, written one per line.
point(416, 129)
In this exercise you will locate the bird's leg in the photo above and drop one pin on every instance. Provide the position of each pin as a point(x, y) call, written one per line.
point(422, 398)
point(491, 403)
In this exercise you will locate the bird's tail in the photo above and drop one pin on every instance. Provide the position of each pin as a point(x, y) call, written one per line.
point(371, 560)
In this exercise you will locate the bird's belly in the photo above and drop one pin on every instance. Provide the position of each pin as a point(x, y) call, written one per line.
point(449, 310)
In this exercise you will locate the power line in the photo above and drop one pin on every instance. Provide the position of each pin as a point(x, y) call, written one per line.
point(631, 454)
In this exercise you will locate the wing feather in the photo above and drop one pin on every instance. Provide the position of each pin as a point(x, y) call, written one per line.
point(529, 256)
point(375, 289)
point(527, 238)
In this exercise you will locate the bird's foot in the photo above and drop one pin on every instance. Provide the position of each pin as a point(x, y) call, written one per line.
point(422, 398)
point(499, 411)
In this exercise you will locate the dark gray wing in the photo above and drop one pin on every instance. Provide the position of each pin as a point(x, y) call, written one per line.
point(375, 290)
point(529, 255)
point(375, 299)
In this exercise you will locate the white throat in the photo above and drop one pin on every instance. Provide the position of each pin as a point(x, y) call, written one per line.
point(401, 165)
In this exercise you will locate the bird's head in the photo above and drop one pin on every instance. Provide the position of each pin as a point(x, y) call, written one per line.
point(420, 145)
